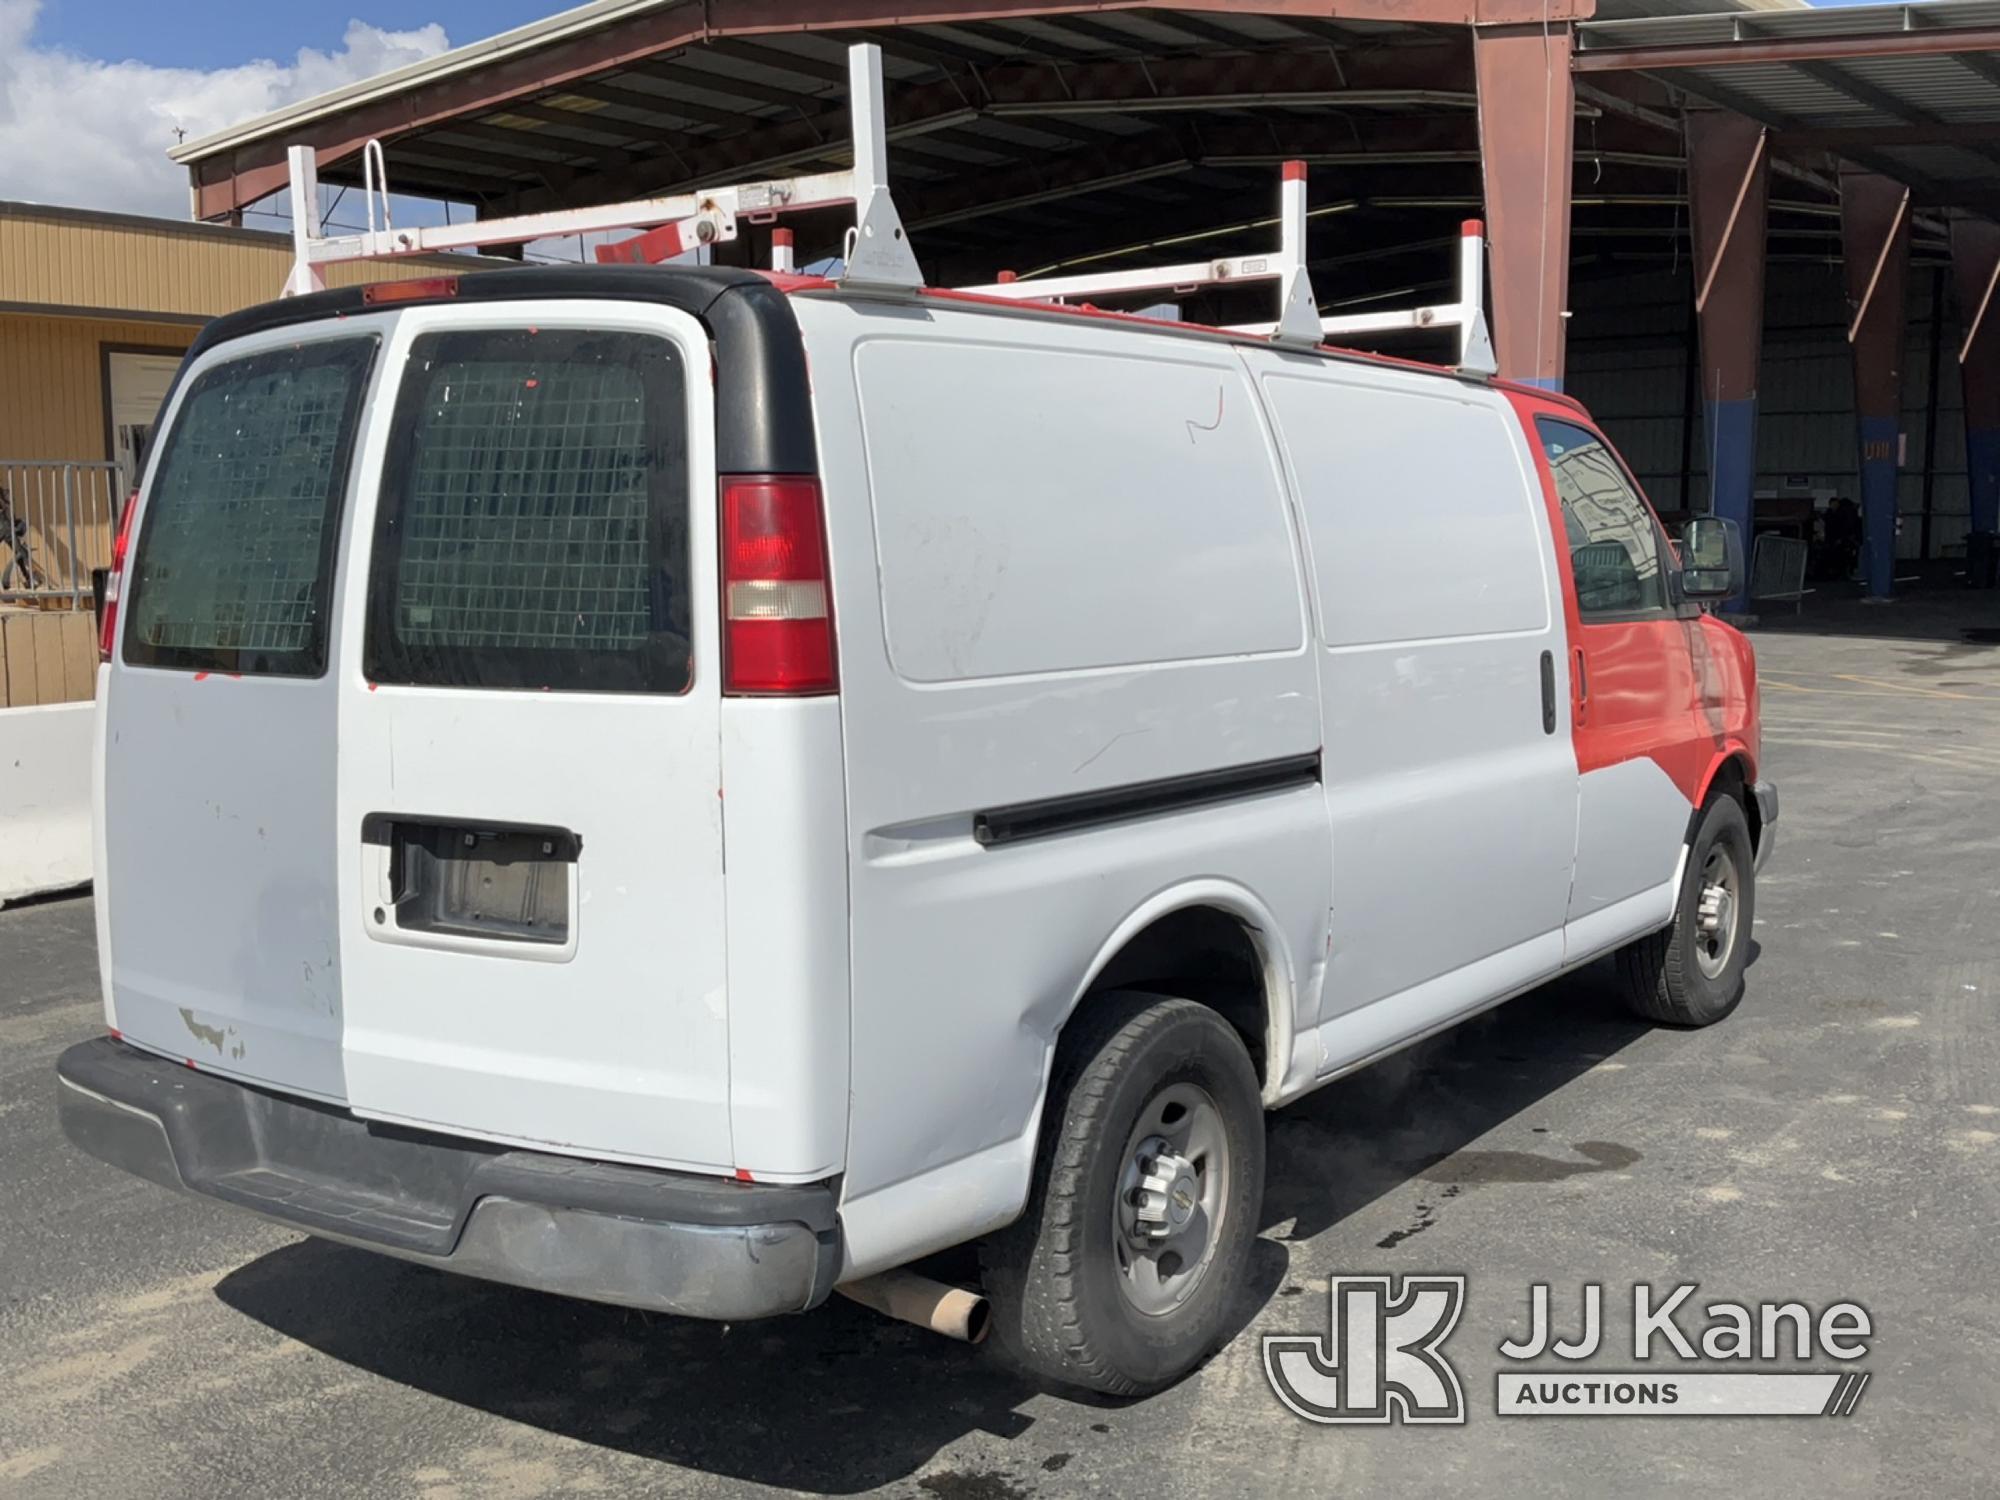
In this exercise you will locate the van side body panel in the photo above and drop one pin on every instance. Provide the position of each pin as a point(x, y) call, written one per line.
point(1451, 794)
point(1007, 566)
point(784, 816)
point(1658, 703)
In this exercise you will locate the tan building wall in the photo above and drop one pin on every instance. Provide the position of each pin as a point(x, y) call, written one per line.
point(52, 407)
point(75, 287)
point(52, 380)
point(75, 259)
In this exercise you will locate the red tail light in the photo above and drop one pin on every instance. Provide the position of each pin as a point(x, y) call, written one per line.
point(107, 627)
point(777, 616)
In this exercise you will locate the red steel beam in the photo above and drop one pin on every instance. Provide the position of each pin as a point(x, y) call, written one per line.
point(1527, 124)
point(1928, 43)
point(1729, 192)
point(1875, 251)
point(1975, 260)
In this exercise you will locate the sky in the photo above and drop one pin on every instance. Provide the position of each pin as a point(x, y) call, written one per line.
point(92, 92)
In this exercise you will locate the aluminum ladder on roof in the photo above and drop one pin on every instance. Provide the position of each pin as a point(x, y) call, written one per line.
point(877, 253)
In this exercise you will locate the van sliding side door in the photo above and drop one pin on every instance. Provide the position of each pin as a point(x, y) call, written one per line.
point(1450, 782)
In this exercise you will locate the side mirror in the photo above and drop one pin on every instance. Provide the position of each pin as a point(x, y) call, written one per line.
point(1711, 559)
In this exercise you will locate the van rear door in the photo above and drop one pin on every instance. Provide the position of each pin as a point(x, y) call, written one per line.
point(221, 718)
point(468, 876)
point(530, 812)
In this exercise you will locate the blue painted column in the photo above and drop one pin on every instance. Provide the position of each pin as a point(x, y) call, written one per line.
point(1729, 198)
point(1732, 456)
point(1982, 456)
point(1875, 247)
point(1880, 437)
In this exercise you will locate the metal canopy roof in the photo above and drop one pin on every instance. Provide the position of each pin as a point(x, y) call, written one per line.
point(1911, 91)
point(1026, 134)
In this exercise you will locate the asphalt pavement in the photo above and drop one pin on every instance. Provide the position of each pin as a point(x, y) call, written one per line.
point(1836, 1140)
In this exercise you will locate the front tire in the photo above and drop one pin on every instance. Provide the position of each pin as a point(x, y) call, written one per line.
point(1691, 973)
point(1118, 1276)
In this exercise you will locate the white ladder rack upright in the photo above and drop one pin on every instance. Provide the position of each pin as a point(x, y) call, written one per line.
point(1298, 322)
point(877, 251)
point(1467, 315)
point(1298, 316)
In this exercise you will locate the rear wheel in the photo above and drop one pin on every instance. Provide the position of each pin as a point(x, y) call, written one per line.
point(1139, 1226)
point(1691, 973)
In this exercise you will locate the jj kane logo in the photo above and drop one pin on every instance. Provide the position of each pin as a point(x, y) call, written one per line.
point(1381, 1358)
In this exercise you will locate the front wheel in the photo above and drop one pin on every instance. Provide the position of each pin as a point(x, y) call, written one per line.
point(1139, 1226)
point(1691, 973)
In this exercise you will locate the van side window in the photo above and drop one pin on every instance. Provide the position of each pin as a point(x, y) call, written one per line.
point(533, 526)
point(1614, 544)
point(235, 557)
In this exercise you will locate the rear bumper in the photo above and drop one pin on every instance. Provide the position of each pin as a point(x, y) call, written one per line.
point(1765, 795)
point(669, 1242)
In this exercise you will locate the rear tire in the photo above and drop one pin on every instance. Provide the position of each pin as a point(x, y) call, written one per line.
point(1119, 1275)
point(1691, 972)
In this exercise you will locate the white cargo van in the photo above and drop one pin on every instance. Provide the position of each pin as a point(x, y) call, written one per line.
point(694, 788)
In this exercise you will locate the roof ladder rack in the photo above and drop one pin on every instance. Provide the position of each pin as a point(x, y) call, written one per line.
point(1298, 320)
point(1467, 314)
point(877, 251)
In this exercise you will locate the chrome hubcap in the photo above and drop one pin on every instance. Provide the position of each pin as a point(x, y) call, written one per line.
point(1173, 1193)
point(1715, 916)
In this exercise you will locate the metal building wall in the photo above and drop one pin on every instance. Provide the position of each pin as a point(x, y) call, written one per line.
point(1630, 347)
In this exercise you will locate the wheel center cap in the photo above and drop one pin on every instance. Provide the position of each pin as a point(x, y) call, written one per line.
point(1717, 909)
point(1167, 1194)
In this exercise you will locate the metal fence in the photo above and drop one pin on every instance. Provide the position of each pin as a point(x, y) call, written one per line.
point(1778, 570)
point(57, 523)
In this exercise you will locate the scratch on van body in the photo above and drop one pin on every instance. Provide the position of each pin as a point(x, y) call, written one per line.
point(1123, 734)
point(1193, 426)
point(210, 1034)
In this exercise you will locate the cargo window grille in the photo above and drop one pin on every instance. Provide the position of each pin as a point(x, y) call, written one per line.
point(235, 555)
point(533, 529)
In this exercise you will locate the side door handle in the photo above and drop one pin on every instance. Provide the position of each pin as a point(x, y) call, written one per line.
point(1548, 692)
point(1580, 675)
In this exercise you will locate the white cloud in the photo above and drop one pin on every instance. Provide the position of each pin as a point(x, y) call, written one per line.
point(94, 134)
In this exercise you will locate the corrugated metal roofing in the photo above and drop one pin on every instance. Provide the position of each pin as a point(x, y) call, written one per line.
point(1913, 117)
point(1180, 122)
point(1807, 21)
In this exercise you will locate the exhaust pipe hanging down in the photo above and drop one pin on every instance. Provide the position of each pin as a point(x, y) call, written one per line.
point(953, 1311)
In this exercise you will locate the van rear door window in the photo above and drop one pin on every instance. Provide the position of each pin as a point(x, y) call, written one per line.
point(235, 557)
point(533, 526)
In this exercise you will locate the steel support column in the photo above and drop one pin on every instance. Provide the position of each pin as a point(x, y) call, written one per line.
point(1527, 127)
point(1729, 192)
point(1975, 261)
point(1875, 243)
